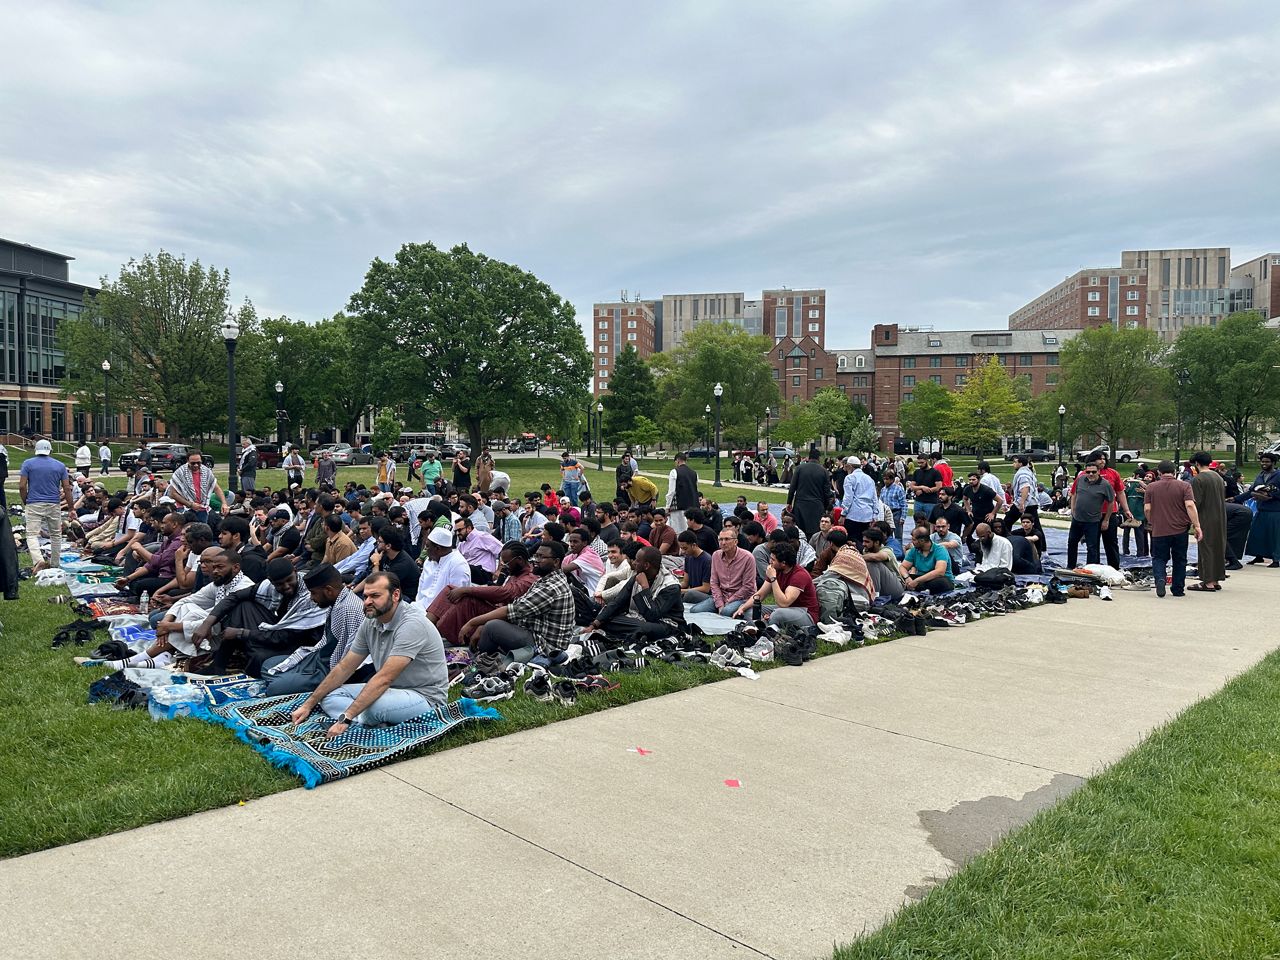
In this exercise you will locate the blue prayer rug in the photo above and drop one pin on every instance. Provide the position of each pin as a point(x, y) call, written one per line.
point(268, 727)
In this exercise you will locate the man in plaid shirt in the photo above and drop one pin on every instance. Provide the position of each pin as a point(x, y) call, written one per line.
point(542, 617)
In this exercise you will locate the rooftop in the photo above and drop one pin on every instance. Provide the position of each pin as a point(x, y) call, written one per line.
point(27, 246)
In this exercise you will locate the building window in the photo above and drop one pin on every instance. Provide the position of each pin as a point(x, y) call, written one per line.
point(813, 352)
point(632, 336)
point(1027, 360)
point(1133, 279)
point(631, 312)
point(779, 354)
point(1094, 296)
point(604, 337)
point(817, 373)
point(935, 343)
point(935, 361)
point(814, 327)
point(631, 324)
point(1093, 282)
point(1050, 379)
point(841, 362)
point(908, 381)
point(795, 381)
point(1094, 311)
point(908, 397)
point(908, 362)
point(961, 379)
point(603, 375)
point(962, 361)
point(1131, 295)
point(604, 324)
point(604, 348)
point(777, 374)
point(886, 336)
point(795, 398)
point(936, 379)
point(815, 299)
point(1051, 359)
point(859, 361)
point(814, 314)
point(780, 318)
point(1130, 311)
point(1049, 340)
point(604, 361)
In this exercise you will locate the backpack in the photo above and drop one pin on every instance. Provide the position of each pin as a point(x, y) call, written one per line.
point(584, 608)
point(834, 596)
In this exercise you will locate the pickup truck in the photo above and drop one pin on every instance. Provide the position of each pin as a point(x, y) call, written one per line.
point(1123, 456)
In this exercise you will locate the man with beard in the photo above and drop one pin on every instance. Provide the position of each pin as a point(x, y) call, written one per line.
point(454, 606)
point(410, 677)
point(264, 620)
point(302, 670)
point(810, 495)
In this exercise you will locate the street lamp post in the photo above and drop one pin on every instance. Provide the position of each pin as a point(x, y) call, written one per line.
point(982, 423)
point(599, 436)
point(707, 434)
point(719, 392)
point(230, 332)
point(281, 417)
point(767, 414)
point(1062, 413)
point(106, 397)
point(1184, 378)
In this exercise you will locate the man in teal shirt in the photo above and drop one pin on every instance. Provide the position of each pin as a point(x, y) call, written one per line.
point(430, 470)
point(927, 565)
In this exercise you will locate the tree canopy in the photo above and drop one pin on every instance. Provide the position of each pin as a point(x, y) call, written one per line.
point(631, 393)
point(482, 338)
point(989, 406)
point(927, 414)
point(1233, 384)
point(714, 353)
point(158, 323)
point(1114, 383)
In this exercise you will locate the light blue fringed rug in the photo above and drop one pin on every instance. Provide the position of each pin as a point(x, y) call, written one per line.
point(303, 749)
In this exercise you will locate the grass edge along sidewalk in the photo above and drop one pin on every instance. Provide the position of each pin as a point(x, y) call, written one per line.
point(73, 771)
point(1171, 852)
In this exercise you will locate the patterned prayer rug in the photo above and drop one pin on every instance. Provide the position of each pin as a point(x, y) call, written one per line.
point(267, 726)
point(236, 687)
point(108, 608)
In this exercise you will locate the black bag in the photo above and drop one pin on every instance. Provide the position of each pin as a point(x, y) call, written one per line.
point(584, 608)
point(993, 579)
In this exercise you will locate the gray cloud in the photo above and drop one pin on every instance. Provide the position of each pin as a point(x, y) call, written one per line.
point(930, 162)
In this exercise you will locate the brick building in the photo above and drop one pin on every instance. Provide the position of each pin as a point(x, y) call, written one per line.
point(907, 356)
point(795, 314)
point(1261, 276)
point(1099, 296)
point(801, 368)
point(616, 325)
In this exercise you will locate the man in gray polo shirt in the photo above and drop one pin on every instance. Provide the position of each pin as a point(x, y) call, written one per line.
point(407, 653)
point(1089, 497)
point(43, 483)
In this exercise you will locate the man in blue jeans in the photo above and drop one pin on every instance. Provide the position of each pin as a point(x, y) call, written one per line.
point(1170, 508)
point(1091, 499)
point(43, 484)
point(408, 657)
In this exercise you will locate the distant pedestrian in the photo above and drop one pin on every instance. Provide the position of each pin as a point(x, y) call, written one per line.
point(104, 458)
point(1170, 508)
point(1211, 499)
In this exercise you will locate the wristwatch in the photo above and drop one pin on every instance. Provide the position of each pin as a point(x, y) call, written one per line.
point(343, 718)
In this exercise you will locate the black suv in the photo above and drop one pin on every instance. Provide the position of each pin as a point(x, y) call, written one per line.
point(165, 456)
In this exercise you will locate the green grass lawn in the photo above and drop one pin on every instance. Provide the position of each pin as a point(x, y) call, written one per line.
point(1172, 852)
point(73, 770)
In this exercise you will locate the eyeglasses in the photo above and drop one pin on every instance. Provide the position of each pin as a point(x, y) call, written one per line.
point(1091, 473)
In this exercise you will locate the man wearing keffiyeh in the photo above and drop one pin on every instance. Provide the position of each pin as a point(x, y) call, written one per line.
point(193, 484)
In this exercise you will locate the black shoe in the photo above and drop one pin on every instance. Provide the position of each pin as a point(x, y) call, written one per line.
point(1160, 588)
point(1273, 564)
point(1257, 560)
point(1235, 565)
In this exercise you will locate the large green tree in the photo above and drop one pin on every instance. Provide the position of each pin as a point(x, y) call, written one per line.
point(714, 353)
point(480, 338)
point(989, 406)
point(926, 415)
point(158, 323)
point(631, 394)
point(1233, 384)
point(1114, 384)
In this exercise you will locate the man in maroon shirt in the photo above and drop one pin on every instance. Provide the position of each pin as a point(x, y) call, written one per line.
point(1170, 508)
point(456, 605)
point(157, 568)
point(794, 595)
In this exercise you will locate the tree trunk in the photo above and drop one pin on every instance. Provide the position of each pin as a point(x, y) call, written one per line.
point(475, 435)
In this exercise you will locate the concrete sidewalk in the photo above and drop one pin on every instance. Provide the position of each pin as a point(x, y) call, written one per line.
point(864, 778)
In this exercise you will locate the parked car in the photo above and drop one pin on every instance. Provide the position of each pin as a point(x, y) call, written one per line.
point(344, 454)
point(1123, 456)
point(453, 446)
point(515, 446)
point(1274, 449)
point(781, 453)
point(700, 453)
point(742, 453)
point(269, 456)
point(164, 456)
point(1037, 455)
point(331, 447)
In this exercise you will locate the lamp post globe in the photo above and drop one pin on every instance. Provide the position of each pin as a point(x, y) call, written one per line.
point(106, 398)
point(719, 392)
point(599, 436)
point(1062, 413)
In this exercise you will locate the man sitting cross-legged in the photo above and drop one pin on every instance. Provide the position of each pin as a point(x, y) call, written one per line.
point(795, 599)
point(647, 607)
point(543, 617)
point(410, 676)
point(264, 620)
point(454, 606)
point(176, 631)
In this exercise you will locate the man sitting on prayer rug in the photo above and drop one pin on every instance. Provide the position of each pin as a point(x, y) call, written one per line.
point(454, 606)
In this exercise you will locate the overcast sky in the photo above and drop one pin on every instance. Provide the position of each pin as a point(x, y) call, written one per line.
point(923, 162)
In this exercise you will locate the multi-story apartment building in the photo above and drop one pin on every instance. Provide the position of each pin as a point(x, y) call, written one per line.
point(795, 314)
point(614, 327)
point(1261, 276)
point(801, 367)
point(1099, 296)
point(856, 375)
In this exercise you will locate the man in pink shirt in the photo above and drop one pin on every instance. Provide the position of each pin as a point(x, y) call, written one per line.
point(765, 518)
point(733, 577)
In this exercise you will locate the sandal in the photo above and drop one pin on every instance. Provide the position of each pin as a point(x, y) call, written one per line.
point(61, 638)
point(1199, 588)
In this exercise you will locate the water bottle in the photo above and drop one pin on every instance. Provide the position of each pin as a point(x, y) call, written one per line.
point(757, 610)
point(144, 605)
